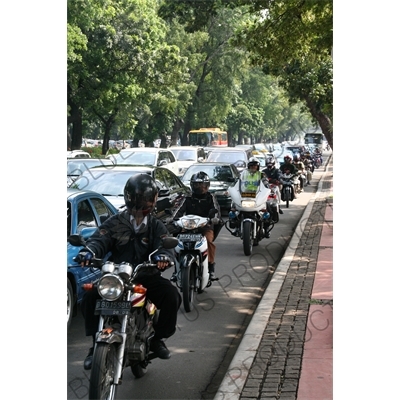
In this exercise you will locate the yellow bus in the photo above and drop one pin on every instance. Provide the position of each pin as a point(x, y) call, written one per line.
point(208, 137)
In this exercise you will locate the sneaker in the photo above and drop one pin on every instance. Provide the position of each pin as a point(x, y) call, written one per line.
point(308, 183)
point(213, 276)
point(173, 278)
point(87, 364)
point(158, 347)
point(280, 211)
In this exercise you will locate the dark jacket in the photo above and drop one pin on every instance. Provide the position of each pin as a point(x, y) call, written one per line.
point(117, 235)
point(292, 169)
point(273, 175)
point(200, 205)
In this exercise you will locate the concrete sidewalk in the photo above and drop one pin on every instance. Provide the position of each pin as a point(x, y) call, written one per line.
point(287, 349)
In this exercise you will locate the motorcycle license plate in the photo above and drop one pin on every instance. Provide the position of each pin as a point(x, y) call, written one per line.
point(192, 237)
point(105, 307)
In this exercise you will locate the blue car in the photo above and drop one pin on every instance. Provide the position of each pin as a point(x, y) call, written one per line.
point(86, 211)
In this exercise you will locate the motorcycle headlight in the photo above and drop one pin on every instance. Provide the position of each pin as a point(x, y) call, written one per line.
point(248, 203)
point(192, 223)
point(110, 287)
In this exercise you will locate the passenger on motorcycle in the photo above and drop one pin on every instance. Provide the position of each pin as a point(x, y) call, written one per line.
point(301, 168)
point(200, 203)
point(274, 176)
point(131, 236)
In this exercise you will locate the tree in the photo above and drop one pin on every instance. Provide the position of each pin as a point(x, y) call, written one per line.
point(293, 41)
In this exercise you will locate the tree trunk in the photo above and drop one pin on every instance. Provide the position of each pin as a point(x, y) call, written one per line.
point(75, 119)
point(175, 131)
point(323, 120)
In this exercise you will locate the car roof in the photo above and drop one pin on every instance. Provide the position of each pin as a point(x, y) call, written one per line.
point(72, 193)
point(143, 150)
point(125, 167)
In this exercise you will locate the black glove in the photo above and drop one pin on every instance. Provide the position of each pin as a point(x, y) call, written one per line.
point(83, 256)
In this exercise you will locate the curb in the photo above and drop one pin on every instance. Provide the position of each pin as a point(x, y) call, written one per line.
point(236, 376)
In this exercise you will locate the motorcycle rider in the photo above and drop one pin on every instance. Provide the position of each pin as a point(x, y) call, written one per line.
point(200, 202)
point(288, 168)
point(250, 180)
point(308, 165)
point(131, 236)
point(301, 168)
point(274, 176)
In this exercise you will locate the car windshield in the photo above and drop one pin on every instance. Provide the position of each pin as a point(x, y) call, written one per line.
point(185, 155)
point(78, 166)
point(106, 183)
point(134, 157)
point(215, 172)
point(226, 156)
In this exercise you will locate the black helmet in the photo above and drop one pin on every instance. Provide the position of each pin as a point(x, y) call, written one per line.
point(200, 183)
point(253, 161)
point(140, 194)
point(296, 157)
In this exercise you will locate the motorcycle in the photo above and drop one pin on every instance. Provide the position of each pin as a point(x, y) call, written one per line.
point(288, 190)
point(249, 217)
point(191, 273)
point(126, 326)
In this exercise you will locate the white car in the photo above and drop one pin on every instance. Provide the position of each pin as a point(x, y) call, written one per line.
point(78, 154)
point(186, 156)
point(152, 156)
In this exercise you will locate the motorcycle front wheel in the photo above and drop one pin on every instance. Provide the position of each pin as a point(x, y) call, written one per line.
point(104, 364)
point(138, 370)
point(188, 285)
point(247, 238)
point(288, 195)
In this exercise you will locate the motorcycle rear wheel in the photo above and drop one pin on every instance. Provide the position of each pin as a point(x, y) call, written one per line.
point(247, 238)
point(104, 364)
point(188, 285)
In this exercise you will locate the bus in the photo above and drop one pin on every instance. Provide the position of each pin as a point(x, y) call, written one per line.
point(315, 139)
point(208, 137)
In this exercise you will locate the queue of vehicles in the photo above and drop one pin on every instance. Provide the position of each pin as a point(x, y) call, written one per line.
point(223, 165)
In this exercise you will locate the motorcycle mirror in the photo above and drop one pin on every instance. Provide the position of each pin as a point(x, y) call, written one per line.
point(76, 240)
point(169, 242)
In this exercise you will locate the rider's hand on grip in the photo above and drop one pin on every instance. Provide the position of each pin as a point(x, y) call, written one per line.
point(215, 221)
point(83, 257)
point(163, 261)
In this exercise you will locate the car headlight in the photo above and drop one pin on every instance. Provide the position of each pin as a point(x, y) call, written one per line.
point(110, 287)
point(248, 203)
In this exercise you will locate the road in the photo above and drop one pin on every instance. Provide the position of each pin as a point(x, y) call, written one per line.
point(206, 338)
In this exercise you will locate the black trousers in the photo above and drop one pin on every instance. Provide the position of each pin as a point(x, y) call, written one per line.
point(160, 291)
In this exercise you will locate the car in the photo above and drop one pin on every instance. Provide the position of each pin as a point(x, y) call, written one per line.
point(110, 182)
point(86, 210)
point(186, 156)
point(261, 157)
point(78, 154)
point(232, 155)
point(261, 147)
point(149, 156)
point(76, 166)
point(222, 176)
point(246, 146)
point(296, 149)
